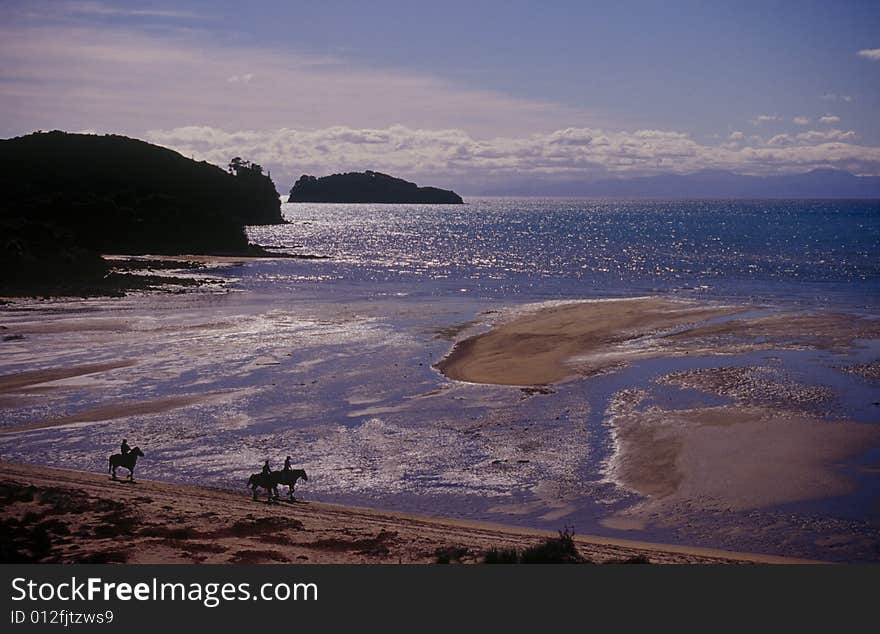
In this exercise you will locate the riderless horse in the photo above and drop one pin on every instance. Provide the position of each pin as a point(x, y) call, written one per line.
point(128, 461)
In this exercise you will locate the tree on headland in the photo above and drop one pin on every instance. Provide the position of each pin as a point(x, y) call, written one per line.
point(239, 167)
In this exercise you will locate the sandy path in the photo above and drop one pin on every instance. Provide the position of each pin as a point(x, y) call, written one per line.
point(71, 516)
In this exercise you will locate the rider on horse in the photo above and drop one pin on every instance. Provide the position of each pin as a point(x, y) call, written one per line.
point(126, 458)
point(287, 464)
point(266, 468)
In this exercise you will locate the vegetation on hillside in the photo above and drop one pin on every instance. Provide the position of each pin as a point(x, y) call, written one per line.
point(66, 198)
point(367, 187)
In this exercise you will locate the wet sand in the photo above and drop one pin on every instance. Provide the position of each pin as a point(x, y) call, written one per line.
point(82, 517)
point(773, 444)
point(821, 331)
point(538, 348)
point(15, 382)
point(121, 410)
point(733, 457)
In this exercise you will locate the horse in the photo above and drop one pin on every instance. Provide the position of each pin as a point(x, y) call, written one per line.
point(128, 461)
point(271, 482)
point(263, 481)
point(287, 477)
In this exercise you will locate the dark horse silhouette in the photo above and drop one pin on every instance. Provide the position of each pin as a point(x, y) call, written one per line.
point(288, 477)
point(270, 482)
point(127, 461)
point(264, 481)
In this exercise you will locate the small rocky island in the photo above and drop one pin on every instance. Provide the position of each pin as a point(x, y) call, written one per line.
point(367, 187)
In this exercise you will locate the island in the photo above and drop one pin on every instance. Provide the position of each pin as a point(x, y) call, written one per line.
point(367, 187)
point(68, 198)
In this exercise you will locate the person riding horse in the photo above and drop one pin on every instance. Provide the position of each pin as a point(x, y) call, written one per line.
point(287, 466)
point(126, 458)
point(266, 469)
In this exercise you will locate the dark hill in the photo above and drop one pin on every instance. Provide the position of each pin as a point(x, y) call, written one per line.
point(68, 197)
point(367, 187)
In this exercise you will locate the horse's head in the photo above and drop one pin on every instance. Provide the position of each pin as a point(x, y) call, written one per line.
point(137, 452)
point(253, 479)
point(304, 476)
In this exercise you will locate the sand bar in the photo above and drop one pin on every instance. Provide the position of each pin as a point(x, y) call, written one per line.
point(535, 349)
point(734, 457)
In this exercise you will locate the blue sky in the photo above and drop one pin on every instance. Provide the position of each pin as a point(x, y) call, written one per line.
point(465, 94)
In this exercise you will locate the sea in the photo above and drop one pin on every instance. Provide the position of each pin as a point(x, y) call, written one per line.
point(818, 253)
point(328, 356)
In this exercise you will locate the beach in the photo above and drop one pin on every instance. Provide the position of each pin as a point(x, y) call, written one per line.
point(90, 519)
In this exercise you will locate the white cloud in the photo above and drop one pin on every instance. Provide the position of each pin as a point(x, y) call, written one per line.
point(240, 79)
point(830, 96)
point(818, 136)
point(870, 53)
point(829, 119)
point(781, 140)
point(736, 136)
point(454, 158)
point(801, 120)
point(765, 118)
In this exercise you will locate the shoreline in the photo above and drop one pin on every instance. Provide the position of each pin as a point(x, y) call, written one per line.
point(124, 275)
point(204, 525)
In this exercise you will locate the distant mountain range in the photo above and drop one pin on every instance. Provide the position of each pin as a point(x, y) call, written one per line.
point(819, 183)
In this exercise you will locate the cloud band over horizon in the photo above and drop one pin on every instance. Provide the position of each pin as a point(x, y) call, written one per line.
point(453, 157)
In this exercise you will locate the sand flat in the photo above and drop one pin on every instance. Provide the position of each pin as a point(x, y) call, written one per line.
point(535, 349)
point(121, 409)
point(824, 331)
point(155, 522)
point(733, 457)
point(19, 380)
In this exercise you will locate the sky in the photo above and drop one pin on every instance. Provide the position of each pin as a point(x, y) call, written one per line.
point(469, 95)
